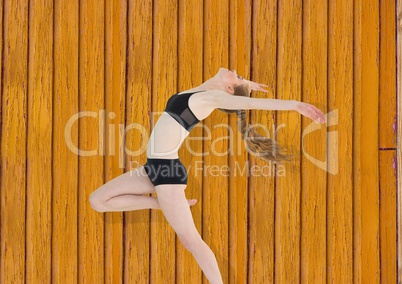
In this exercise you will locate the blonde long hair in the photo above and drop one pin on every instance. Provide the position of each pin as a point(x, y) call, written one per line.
point(263, 147)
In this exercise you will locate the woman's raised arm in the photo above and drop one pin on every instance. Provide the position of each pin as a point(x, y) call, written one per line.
point(221, 99)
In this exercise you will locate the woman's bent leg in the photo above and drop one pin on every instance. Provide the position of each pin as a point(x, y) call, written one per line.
point(124, 193)
point(128, 202)
point(134, 183)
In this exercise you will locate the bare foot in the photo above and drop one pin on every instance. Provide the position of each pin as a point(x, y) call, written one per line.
point(191, 201)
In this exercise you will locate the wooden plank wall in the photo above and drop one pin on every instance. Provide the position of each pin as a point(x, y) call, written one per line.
point(398, 127)
point(83, 82)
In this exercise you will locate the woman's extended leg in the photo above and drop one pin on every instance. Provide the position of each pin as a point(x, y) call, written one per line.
point(173, 203)
point(125, 193)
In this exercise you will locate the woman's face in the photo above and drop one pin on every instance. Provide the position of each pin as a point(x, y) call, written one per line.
point(231, 78)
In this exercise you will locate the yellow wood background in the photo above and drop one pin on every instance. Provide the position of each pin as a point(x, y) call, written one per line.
point(119, 61)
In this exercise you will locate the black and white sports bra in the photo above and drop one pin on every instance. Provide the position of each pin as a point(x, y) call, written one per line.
point(178, 108)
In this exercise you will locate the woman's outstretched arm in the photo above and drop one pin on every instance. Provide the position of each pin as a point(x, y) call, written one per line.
point(221, 99)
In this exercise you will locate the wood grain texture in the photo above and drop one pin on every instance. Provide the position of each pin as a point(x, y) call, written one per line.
point(357, 234)
point(13, 142)
point(39, 142)
point(240, 60)
point(387, 73)
point(190, 74)
point(314, 149)
point(365, 142)
point(399, 140)
point(388, 139)
point(138, 106)
point(115, 88)
point(164, 84)
point(215, 185)
point(65, 159)
point(261, 227)
point(288, 187)
point(91, 138)
point(388, 210)
point(1, 61)
point(340, 104)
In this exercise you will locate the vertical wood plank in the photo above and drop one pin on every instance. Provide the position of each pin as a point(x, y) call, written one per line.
point(65, 155)
point(399, 140)
point(287, 210)
point(91, 131)
point(388, 139)
point(164, 85)
point(261, 232)
point(313, 144)
point(138, 106)
point(366, 169)
point(357, 247)
point(13, 142)
point(115, 87)
point(215, 186)
point(39, 141)
point(240, 53)
point(1, 58)
point(388, 225)
point(387, 80)
point(190, 66)
point(340, 104)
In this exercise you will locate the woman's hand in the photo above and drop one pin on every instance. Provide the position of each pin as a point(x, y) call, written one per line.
point(310, 111)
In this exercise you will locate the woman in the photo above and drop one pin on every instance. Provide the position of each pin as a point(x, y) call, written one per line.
point(165, 174)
